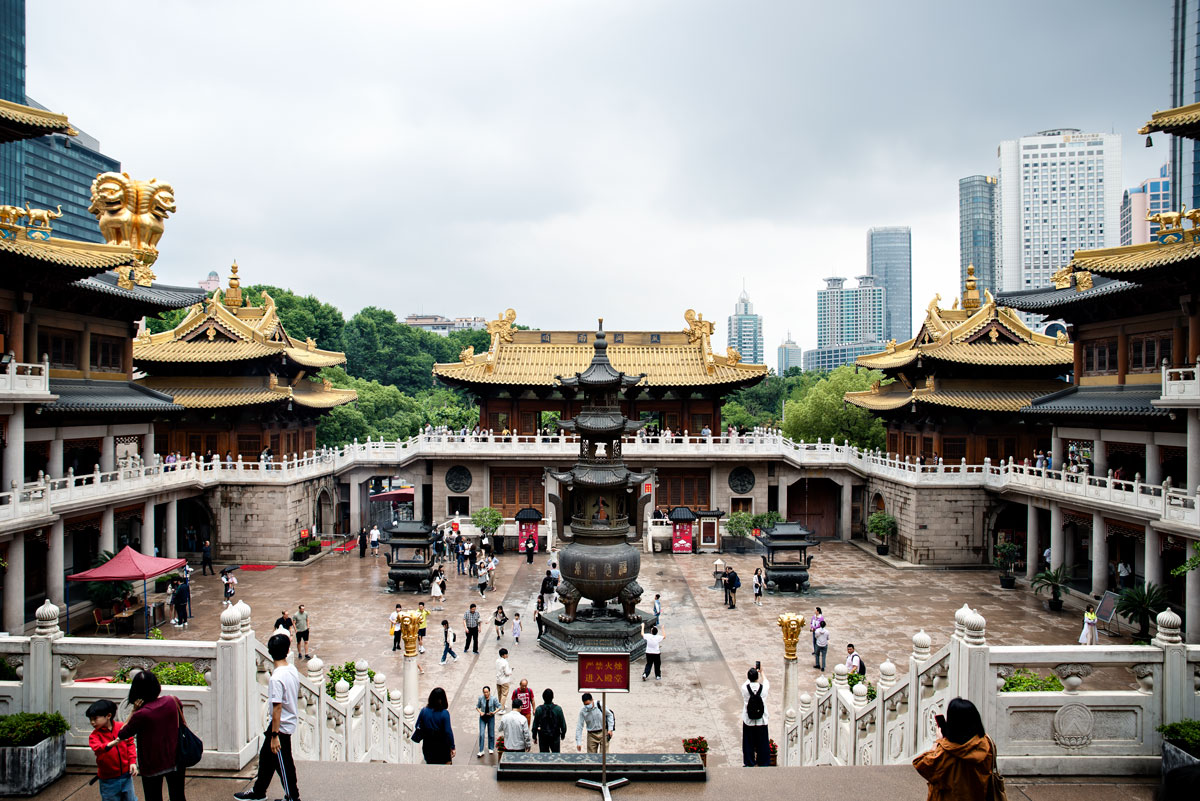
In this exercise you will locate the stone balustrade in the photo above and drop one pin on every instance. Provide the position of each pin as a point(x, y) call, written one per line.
point(22, 381)
point(1075, 731)
point(1181, 384)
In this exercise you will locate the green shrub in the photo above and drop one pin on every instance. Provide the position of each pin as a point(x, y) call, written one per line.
point(1186, 732)
point(765, 520)
point(1025, 681)
point(299, 554)
point(337, 673)
point(8, 672)
point(739, 524)
point(882, 525)
point(30, 728)
point(180, 674)
point(857, 678)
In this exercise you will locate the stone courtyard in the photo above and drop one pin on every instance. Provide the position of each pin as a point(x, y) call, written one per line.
point(707, 650)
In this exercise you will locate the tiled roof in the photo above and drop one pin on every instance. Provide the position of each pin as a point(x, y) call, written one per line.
point(160, 296)
point(1010, 396)
point(1181, 121)
point(537, 358)
point(1046, 298)
point(1137, 258)
point(90, 395)
point(87, 256)
point(991, 336)
point(311, 394)
point(221, 392)
point(1120, 401)
point(26, 122)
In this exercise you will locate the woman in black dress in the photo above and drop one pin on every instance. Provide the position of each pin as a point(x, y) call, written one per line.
point(433, 730)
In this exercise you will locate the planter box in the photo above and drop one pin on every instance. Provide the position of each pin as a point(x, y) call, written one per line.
point(1008, 582)
point(27, 771)
point(1055, 604)
point(882, 550)
point(1175, 757)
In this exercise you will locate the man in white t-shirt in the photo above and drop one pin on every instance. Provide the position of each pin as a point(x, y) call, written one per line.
point(283, 691)
point(653, 652)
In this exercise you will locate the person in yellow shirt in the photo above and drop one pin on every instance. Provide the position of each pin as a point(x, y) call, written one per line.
point(424, 613)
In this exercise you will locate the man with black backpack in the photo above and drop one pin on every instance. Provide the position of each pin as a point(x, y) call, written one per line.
point(756, 744)
point(854, 662)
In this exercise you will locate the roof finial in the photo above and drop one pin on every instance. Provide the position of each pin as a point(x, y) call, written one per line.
point(970, 296)
point(233, 295)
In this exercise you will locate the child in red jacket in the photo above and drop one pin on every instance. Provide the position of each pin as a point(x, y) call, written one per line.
point(116, 766)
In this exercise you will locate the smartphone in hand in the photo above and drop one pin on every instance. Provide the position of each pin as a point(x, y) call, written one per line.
point(941, 721)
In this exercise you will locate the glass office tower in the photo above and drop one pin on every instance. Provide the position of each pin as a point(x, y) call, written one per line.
point(889, 259)
point(977, 230)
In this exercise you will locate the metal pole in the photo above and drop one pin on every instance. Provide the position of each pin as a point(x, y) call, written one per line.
point(145, 608)
point(604, 742)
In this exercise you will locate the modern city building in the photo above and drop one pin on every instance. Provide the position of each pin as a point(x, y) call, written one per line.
point(833, 356)
point(889, 259)
point(850, 322)
point(977, 230)
point(437, 324)
point(211, 283)
point(746, 330)
point(1185, 90)
point(1149, 197)
point(788, 356)
point(12, 89)
point(1060, 191)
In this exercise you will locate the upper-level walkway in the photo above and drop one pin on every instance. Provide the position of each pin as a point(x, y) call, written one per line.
point(47, 497)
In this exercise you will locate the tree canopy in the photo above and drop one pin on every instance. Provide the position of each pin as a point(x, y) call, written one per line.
point(822, 413)
point(762, 404)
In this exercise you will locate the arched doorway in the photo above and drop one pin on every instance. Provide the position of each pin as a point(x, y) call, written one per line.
point(1009, 523)
point(325, 514)
point(877, 503)
point(195, 524)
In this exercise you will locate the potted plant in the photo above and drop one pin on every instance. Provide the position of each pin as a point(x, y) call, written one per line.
point(1055, 581)
point(33, 750)
point(1006, 554)
point(1140, 605)
point(1181, 744)
point(738, 526)
point(488, 520)
point(774, 753)
point(883, 526)
point(696, 745)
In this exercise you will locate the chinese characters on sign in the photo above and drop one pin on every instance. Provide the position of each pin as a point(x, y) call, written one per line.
point(604, 673)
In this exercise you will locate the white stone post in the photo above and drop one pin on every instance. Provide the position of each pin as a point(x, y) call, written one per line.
point(1177, 681)
point(1057, 536)
point(1152, 556)
point(252, 713)
point(148, 527)
point(316, 675)
point(108, 530)
point(976, 683)
point(847, 514)
point(147, 453)
point(41, 676)
point(55, 564)
point(230, 690)
point(1153, 462)
point(12, 468)
point(108, 448)
point(377, 714)
point(1193, 448)
point(356, 505)
point(1099, 554)
point(171, 530)
point(54, 467)
point(1056, 450)
point(14, 586)
point(1033, 552)
point(1191, 605)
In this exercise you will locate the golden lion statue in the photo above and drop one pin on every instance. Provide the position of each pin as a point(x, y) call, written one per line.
point(131, 213)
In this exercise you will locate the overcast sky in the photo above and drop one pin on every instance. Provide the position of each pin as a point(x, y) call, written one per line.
point(579, 159)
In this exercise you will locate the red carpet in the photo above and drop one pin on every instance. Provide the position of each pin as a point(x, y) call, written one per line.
point(258, 567)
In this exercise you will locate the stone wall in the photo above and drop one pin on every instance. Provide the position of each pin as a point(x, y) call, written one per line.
point(939, 525)
point(262, 522)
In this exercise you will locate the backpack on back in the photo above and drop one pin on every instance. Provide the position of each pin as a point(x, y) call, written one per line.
point(862, 664)
point(755, 708)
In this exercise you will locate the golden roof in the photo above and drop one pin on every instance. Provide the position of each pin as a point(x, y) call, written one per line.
point(536, 358)
point(221, 392)
point(222, 330)
point(956, 393)
point(26, 122)
point(1182, 121)
point(1121, 261)
point(990, 336)
point(87, 256)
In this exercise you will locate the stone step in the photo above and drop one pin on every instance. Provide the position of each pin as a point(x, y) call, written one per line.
point(571, 765)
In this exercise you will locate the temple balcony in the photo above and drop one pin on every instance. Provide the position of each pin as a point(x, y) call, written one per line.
point(22, 382)
point(1180, 387)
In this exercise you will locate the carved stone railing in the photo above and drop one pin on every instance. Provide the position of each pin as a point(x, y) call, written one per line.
point(1181, 384)
point(20, 381)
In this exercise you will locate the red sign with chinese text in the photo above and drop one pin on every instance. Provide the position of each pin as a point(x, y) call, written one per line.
point(454, 526)
point(527, 531)
point(304, 533)
point(647, 488)
point(681, 538)
point(604, 673)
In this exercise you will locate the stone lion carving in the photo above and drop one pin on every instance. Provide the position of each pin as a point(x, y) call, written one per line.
point(569, 595)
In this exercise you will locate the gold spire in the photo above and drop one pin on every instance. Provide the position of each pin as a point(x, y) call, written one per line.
point(970, 300)
point(233, 295)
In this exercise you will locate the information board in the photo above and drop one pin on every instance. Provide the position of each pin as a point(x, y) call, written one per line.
point(1107, 607)
point(603, 673)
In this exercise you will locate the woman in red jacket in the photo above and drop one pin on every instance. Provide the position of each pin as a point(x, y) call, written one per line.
point(155, 721)
point(959, 766)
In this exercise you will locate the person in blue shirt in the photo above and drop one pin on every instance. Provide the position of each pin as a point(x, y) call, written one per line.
point(487, 706)
point(433, 730)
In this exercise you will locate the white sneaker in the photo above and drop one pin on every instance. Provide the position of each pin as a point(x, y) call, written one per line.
point(421, 650)
point(491, 751)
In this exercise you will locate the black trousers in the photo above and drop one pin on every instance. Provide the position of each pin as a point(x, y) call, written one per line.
point(181, 613)
point(472, 643)
point(269, 764)
point(152, 786)
point(654, 661)
point(206, 567)
point(756, 746)
point(397, 640)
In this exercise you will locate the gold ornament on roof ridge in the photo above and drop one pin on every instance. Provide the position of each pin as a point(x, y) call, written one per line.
point(698, 327)
point(131, 214)
point(40, 218)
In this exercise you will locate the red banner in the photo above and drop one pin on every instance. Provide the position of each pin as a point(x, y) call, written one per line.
point(607, 673)
point(527, 531)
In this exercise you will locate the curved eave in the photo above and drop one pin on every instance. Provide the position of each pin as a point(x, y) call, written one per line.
point(1181, 121)
point(324, 399)
point(1130, 259)
point(82, 258)
point(315, 358)
point(19, 121)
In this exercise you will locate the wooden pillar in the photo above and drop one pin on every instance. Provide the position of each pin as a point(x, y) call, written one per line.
point(85, 352)
point(1122, 356)
point(31, 343)
point(1078, 368)
point(1178, 344)
point(1193, 347)
point(16, 334)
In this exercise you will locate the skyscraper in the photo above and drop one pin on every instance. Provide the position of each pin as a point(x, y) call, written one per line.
point(51, 170)
point(746, 331)
point(889, 259)
point(788, 356)
point(850, 322)
point(977, 230)
point(1060, 191)
point(1185, 90)
point(1150, 196)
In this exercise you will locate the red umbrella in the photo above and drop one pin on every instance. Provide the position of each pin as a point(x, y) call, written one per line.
point(129, 565)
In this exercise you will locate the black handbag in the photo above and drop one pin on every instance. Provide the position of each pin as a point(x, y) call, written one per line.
point(191, 747)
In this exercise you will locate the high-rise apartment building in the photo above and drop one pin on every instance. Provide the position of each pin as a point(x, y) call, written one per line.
point(977, 230)
point(50, 170)
point(1185, 90)
point(788, 356)
point(850, 322)
point(1150, 196)
point(1060, 191)
point(746, 330)
point(889, 259)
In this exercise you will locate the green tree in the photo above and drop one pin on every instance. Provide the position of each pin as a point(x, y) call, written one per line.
point(762, 404)
point(487, 519)
point(823, 413)
point(167, 320)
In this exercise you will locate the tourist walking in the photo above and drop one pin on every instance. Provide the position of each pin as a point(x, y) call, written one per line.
point(433, 730)
point(499, 619)
point(394, 628)
point(471, 622)
point(522, 700)
point(516, 627)
point(733, 583)
point(487, 706)
point(155, 721)
point(301, 626)
point(815, 623)
point(481, 572)
point(1124, 574)
point(180, 598)
point(821, 647)
point(756, 748)
point(283, 691)
point(854, 663)
point(362, 543)
point(448, 638)
point(530, 547)
point(657, 609)
point(437, 591)
point(549, 724)
point(547, 590)
point(493, 562)
point(758, 582)
point(514, 731)
point(230, 586)
point(653, 652)
point(421, 623)
point(596, 722)
point(1089, 635)
point(206, 565)
point(115, 767)
point(374, 540)
point(538, 614)
point(960, 764)
point(504, 674)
